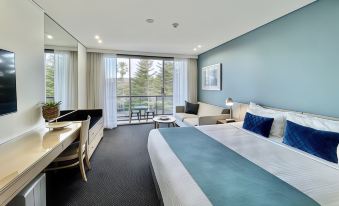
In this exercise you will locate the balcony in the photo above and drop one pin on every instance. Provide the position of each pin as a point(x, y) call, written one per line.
point(141, 104)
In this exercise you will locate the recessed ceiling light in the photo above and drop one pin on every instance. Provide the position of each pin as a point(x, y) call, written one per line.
point(195, 49)
point(49, 36)
point(96, 37)
point(99, 41)
point(150, 20)
point(199, 46)
point(175, 25)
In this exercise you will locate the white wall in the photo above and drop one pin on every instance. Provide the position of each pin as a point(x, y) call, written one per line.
point(22, 32)
point(82, 77)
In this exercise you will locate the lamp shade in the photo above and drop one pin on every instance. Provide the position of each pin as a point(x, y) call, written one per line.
point(229, 101)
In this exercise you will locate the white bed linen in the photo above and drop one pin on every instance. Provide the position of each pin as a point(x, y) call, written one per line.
point(313, 176)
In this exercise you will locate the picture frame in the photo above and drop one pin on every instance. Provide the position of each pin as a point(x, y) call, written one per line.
point(211, 77)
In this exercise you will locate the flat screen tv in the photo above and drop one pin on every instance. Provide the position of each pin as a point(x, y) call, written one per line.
point(8, 101)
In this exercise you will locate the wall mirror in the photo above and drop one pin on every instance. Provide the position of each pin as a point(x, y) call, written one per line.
point(61, 65)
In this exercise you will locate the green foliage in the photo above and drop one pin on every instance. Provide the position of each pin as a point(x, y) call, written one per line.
point(51, 104)
point(168, 74)
point(122, 69)
point(148, 79)
point(142, 83)
point(49, 67)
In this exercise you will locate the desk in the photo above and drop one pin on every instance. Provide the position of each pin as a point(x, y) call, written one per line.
point(24, 157)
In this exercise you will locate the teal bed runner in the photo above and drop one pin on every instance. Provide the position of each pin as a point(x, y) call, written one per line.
point(226, 177)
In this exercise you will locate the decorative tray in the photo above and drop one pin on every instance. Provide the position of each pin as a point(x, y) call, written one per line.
point(58, 125)
point(164, 118)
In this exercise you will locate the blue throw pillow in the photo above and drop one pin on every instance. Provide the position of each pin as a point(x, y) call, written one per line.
point(322, 144)
point(258, 124)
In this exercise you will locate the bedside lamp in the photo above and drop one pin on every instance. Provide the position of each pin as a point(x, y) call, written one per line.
point(229, 103)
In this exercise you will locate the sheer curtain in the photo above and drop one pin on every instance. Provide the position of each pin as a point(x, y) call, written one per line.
point(110, 92)
point(66, 79)
point(102, 86)
point(192, 80)
point(184, 81)
point(180, 82)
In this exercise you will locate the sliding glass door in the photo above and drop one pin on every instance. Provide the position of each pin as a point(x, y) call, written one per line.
point(144, 88)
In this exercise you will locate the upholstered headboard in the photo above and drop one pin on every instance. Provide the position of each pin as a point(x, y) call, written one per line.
point(239, 110)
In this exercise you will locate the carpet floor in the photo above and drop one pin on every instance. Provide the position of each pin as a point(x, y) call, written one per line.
point(120, 173)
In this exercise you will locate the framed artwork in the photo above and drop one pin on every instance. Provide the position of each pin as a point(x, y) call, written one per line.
point(211, 77)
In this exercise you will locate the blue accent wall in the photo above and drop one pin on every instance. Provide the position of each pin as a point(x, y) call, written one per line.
point(290, 63)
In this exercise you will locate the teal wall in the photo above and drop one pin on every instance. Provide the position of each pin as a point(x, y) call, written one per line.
point(290, 63)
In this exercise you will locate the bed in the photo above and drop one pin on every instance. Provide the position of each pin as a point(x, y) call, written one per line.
point(316, 180)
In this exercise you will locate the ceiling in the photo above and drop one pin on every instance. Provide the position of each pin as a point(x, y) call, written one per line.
point(121, 23)
point(60, 37)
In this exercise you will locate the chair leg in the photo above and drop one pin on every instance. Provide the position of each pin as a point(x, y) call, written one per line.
point(88, 164)
point(82, 169)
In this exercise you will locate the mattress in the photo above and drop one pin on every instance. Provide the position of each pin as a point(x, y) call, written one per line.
point(313, 176)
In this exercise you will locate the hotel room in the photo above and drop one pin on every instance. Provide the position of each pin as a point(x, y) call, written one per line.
point(192, 103)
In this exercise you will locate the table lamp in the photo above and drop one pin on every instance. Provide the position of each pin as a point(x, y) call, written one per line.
point(229, 103)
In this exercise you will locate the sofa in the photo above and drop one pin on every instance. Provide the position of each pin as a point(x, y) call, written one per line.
point(207, 114)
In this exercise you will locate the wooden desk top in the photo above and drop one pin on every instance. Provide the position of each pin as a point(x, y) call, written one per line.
point(20, 155)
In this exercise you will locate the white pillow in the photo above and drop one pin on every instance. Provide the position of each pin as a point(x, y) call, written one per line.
point(278, 125)
point(313, 122)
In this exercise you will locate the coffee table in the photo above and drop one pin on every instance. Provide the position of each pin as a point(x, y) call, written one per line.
point(170, 121)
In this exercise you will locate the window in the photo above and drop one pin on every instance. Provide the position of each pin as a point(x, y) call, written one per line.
point(49, 75)
point(144, 84)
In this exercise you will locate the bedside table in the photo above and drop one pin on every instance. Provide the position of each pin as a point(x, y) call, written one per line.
point(225, 121)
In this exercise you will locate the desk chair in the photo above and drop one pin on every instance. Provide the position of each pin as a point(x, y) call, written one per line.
point(76, 153)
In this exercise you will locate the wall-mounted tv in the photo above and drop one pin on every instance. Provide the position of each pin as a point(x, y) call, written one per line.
point(8, 101)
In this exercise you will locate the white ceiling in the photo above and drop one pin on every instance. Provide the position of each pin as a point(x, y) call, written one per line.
point(121, 23)
point(60, 37)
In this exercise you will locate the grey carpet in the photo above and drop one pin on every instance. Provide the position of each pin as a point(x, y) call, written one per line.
point(120, 173)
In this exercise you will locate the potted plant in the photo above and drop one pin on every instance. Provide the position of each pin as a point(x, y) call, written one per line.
point(50, 110)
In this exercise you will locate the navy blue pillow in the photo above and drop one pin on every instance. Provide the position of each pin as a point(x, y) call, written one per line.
point(191, 108)
point(322, 144)
point(258, 124)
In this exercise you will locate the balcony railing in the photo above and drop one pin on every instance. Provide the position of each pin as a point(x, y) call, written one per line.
point(157, 103)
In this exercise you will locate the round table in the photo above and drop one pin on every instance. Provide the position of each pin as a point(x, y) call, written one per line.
point(170, 121)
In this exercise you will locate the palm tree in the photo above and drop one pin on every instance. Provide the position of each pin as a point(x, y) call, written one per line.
point(122, 69)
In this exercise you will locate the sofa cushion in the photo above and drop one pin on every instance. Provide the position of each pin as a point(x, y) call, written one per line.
point(193, 121)
point(182, 116)
point(209, 110)
point(191, 108)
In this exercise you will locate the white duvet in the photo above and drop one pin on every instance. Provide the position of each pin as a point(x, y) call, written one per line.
point(316, 178)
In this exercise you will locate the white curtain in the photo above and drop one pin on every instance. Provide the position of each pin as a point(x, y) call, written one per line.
point(180, 82)
point(95, 68)
point(66, 79)
point(102, 86)
point(110, 93)
point(192, 80)
point(184, 81)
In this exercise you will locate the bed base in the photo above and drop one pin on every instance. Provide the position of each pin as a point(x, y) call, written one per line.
point(157, 188)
